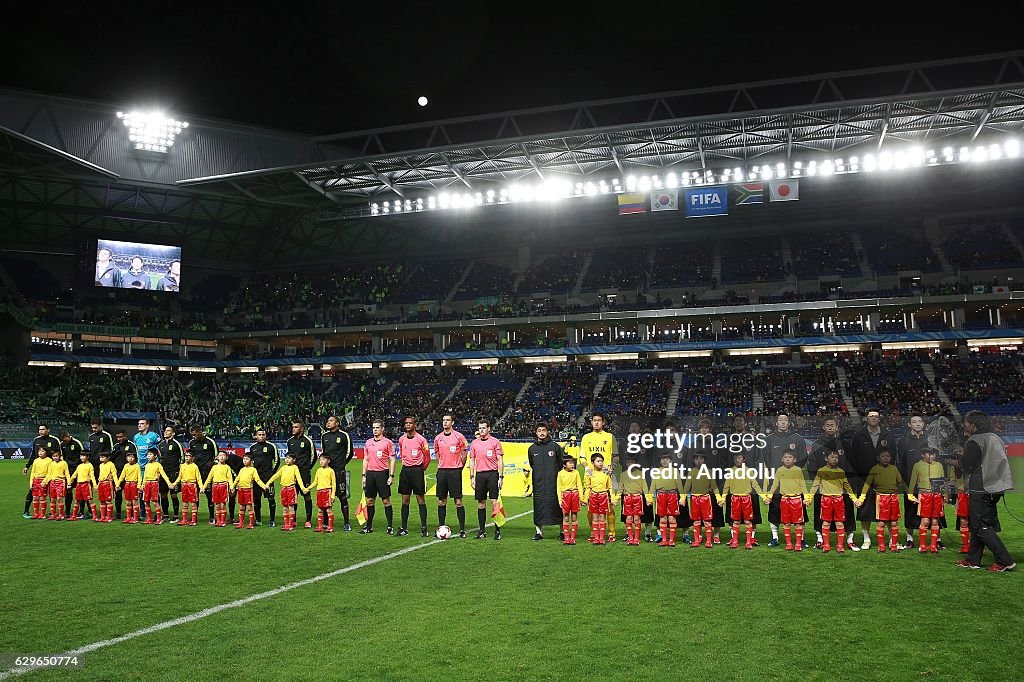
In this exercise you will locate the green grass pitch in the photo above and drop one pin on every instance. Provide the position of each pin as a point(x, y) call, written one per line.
point(514, 609)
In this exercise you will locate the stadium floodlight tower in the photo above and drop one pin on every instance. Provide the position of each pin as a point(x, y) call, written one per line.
point(151, 131)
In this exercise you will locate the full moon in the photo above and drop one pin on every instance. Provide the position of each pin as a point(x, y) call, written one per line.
point(422, 101)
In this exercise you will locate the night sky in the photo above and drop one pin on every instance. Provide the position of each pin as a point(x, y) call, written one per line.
point(363, 65)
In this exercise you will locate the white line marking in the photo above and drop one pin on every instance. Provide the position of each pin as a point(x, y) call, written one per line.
point(206, 613)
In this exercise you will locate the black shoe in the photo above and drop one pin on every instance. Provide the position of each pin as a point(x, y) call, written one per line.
point(480, 535)
point(497, 534)
point(270, 523)
point(538, 536)
point(561, 537)
point(401, 532)
point(390, 530)
point(424, 533)
point(462, 534)
point(365, 531)
point(939, 544)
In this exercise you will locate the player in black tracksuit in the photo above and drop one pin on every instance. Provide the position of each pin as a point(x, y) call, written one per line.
point(830, 441)
point(122, 447)
point(171, 457)
point(908, 453)
point(783, 440)
point(266, 461)
point(204, 456)
point(300, 446)
point(72, 447)
point(337, 445)
point(100, 441)
point(44, 439)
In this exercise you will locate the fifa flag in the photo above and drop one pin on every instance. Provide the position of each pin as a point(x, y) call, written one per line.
point(784, 190)
point(706, 201)
point(498, 515)
point(632, 202)
point(361, 511)
point(747, 193)
point(665, 200)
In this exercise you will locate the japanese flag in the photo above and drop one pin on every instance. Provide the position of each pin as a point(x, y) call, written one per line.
point(784, 190)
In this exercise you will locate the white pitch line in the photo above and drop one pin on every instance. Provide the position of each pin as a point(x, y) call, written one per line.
point(206, 613)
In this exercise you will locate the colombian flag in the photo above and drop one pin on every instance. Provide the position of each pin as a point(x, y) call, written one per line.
point(632, 202)
point(361, 511)
point(498, 515)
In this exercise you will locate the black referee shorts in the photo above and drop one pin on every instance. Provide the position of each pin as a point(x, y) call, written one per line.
point(486, 484)
point(377, 485)
point(411, 481)
point(449, 482)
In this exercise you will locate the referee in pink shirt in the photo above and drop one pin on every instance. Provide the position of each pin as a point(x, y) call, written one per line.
point(415, 456)
point(486, 471)
point(450, 450)
point(378, 473)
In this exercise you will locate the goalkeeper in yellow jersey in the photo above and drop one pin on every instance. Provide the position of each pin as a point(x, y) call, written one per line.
point(601, 442)
point(790, 483)
point(884, 483)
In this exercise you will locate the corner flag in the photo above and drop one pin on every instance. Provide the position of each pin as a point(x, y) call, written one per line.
point(361, 511)
point(498, 515)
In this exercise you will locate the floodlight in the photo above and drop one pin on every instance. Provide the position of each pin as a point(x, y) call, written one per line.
point(151, 131)
point(1012, 148)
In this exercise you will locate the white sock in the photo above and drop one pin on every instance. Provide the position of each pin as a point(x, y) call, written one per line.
point(867, 537)
point(539, 531)
point(818, 533)
point(849, 538)
point(775, 531)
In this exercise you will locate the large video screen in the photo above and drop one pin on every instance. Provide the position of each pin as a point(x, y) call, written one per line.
point(131, 265)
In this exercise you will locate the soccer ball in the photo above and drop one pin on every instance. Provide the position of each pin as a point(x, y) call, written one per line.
point(443, 533)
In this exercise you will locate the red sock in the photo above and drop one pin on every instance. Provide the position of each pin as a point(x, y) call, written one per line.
point(672, 535)
point(881, 537)
point(711, 535)
point(330, 520)
point(35, 509)
point(696, 534)
point(252, 519)
point(826, 539)
point(788, 534)
point(840, 539)
point(965, 540)
point(565, 531)
point(663, 527)
point(92, 509)
point(159, 515)
point(575, 527)
point(923, 534)
point(149, 514)
point(799, 537)
point(935, 539)
point(750, 535)
point(734, 535)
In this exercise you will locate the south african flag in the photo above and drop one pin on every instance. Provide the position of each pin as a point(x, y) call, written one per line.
point(747, 193)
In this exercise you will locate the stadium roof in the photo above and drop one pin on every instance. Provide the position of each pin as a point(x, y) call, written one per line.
point(67, 164)
point(780, 119)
